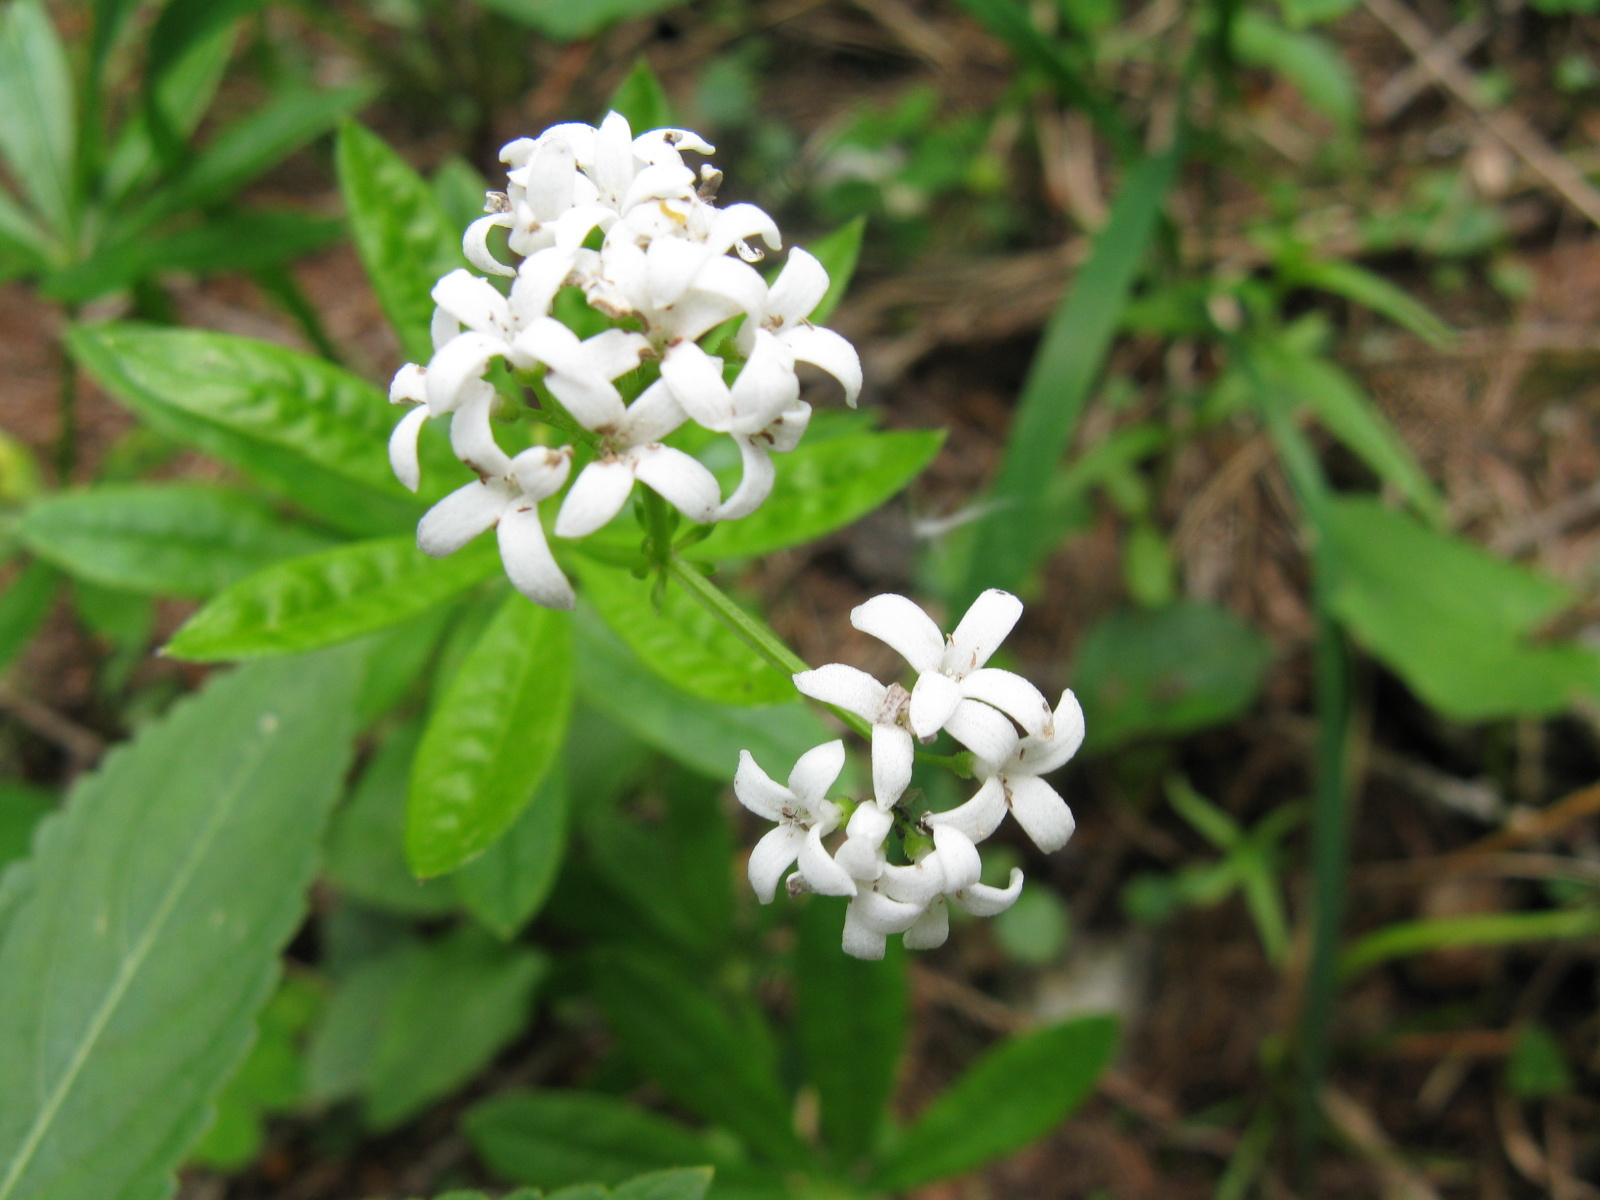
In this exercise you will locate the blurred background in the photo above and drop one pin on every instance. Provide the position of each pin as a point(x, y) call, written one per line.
point(1134, 256)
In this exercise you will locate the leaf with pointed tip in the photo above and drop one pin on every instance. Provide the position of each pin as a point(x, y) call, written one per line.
point(506, 885)
point(37, 134)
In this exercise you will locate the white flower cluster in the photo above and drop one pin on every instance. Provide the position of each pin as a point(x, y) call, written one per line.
point(663, 269)
point(1015, 739)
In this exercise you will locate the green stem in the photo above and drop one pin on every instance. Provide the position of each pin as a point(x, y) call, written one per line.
point(770, 647)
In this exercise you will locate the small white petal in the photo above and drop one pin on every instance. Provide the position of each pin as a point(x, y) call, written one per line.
point(878, 912)
point(843, 687)
point(958, 855)
point(474, 302)
point(788, 428)
point(598, 495)
point(613, 167)
point(979, 816)
point(595, 403)
point(738, 222)
point(904, 626)
point(472, 435)
point(985, 625)
point(892, 757)
point(765, 386)
point(665, 145)
point(860, 940)
point(464, 360)
point(403, 448)
point(663, 181)
point(475, 244)
point(460, 517)
point(918, 884)
point(771, 857)
point(539, 472)
point(670, 267)
point(538, 280)
point(826, 877)
point(1012, 695)
point(548, 178)
point(755, 484)
point(985, 731)
point(681, 480)
point(615, 352)
point(443, 329)
point(1040, 756)
point(573, 227)
point(528, 561)
point(981, 900)
point(410, 385)
point(933, 698)
point(814, 774)
point(651, 417)
point(799, 288)
point(695, 378)
point(1040, 810)
point(758, 791)
point(826, 349)
point(862, 852)
point(932, 928)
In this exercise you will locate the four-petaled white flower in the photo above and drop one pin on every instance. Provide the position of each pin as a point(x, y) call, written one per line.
point(804, 815)
point(884, 708)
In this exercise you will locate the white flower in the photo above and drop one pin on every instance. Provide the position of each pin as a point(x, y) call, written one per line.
point(507, 497)
point(794, 295)
point(885, 708)
point(914, 900)
point(804, 816)
point(954, 690)
point(1016, 784)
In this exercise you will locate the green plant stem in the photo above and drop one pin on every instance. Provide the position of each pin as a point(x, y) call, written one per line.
point(762, 640)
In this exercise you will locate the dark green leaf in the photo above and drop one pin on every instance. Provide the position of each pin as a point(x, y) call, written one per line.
point(695, 1050)
point(397, 659)
point(312, 432)
point(493, 736)
point(190, 847)
point(1452, 620)
point(1011, 539)
point(553, 1138)
point(823, 486)
point(1309, 62)
point(23, 607)
point(1012, 1095)
point(685, 1183)
point(402, 233)
point(680, 640)
point(161, 539)
point(641, 99)
point(21, 808)
point(1167, 672)
point(567, 22)
point(365, 855)
point(183, 23)
point(838, 252)
point(330, 597)
point(1537, 1066)
point(852, 1017)
point(36, 112)
point(706, 737)
point(506, 885)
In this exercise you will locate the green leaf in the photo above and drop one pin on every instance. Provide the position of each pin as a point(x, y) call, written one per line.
point(398, 658)
point(460, 189)
point(365, 854)
point(1371, 290)
point(823, 486)
point(1537, 1067)
point(189, 847)
point(641, 98)
point(838, 252)
point(161, 539)
point(1294, 376)
point(462, 1000)
point(23, 607)
point(681, 641)
point(22, 807)
point(685, 1183)
point(1167, 672)
point(1405, 939)
point(567, 22)
point(493, 736)
point(1013, 1094)
point(695, 1050)
point(344, 1043)
point(1035, 930)
point(307, 429)
point(402, 233)
point(246, 241)
point(326, 598)
point(1311, 64)
point(507, 885)
point(552, 1138)
point(36, 112)
point(1453, 621)
point(852, 1017)
point(183, 23)
point(705, 737)
point(1010, 540)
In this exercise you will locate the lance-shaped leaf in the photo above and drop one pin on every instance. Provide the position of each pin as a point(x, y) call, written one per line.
point(310, 431)
point(325, 598)
point(36, 111)
point(147, 933)
point(405, 239)
point(179, 539)
point(852, 1018)
point(566, 22)
point(680, 640)
point(506, 885)
point(1013, 1094)
point(823, 486)
point(838, 252)
point(493, 736)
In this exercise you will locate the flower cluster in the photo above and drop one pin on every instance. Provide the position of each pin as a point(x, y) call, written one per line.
point(630, 223)
point(1014, 736)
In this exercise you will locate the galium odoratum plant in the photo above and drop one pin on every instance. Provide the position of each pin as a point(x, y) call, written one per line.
point(630, 223)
